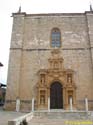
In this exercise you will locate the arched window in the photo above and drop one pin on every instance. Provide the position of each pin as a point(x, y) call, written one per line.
point(55, 38)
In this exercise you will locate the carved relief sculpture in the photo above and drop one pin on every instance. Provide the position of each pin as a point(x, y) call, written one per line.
point(56, 73)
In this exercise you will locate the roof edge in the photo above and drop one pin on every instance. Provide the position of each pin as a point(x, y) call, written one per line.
point(50, 14)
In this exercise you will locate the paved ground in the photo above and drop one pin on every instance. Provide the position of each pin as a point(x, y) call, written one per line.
point(5, 116)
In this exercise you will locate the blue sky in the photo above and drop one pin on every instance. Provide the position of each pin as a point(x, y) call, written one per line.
point(30, 6)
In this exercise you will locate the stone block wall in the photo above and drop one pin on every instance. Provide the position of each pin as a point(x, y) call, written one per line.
point(31, 49)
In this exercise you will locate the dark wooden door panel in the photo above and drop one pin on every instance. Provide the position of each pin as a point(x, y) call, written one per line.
point(56, 96)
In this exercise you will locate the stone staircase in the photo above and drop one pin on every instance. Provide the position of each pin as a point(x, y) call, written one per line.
point(46, 121)
point(60, 117)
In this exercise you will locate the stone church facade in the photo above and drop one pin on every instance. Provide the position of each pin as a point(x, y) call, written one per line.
point(51, 56)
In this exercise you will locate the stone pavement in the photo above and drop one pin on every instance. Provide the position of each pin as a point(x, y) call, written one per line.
point(5, 116)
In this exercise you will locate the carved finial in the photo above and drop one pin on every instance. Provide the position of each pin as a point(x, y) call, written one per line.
point(91, 9)
point(19, 11)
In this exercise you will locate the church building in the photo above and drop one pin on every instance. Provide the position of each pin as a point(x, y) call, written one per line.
point(51, 61)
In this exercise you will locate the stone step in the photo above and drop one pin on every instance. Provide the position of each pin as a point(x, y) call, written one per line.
point(62, 115)
point(46, 121)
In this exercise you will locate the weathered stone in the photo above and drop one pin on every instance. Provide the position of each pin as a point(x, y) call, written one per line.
point(31, 48)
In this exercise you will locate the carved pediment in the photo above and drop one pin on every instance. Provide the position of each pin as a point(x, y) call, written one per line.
point(56, 70)
point(55, 61)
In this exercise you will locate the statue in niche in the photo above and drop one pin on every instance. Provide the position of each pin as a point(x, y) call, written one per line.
point(42, 79)
point(42, 100)
point(55, 64)
point(69, 78)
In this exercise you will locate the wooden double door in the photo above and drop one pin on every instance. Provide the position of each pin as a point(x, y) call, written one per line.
point(56, 96)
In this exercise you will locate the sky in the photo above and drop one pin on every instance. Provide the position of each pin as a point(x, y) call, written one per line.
point(7, 7)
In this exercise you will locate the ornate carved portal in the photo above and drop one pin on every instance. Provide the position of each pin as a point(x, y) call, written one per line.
point(56, 83)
